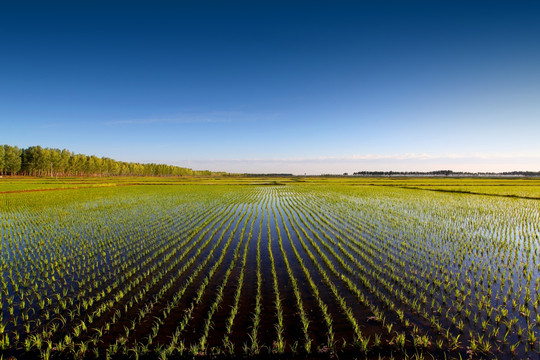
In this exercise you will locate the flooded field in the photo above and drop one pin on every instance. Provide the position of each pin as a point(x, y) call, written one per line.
point(314, 270)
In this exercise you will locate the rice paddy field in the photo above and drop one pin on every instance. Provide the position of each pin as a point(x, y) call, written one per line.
point(270, 268)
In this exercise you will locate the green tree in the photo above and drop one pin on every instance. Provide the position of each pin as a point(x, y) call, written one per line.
point(2, 159)
point(12, 159)
point(38, 161)
point(76, 164)
point(65, 155)
point(43, 161)
point(55, 157)
point(28, 160)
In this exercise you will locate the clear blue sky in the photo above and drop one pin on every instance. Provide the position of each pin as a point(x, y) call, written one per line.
point(276, 86)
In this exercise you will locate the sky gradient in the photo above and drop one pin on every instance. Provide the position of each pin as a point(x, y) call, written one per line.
point(268, 86)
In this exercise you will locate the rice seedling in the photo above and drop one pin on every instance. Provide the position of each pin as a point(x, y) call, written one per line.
point(107, 272)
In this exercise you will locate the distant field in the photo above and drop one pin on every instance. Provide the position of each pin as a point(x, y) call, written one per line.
point(527, 191)
point(16, 184)
point(308, 267)
point(529, 188)
point(503, 186)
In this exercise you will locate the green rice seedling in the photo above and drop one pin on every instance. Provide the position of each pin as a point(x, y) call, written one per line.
point(459, 262)
point(399, 340)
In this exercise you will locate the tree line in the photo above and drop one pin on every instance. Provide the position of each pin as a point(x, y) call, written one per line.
point(39, 161)
point(445, 173)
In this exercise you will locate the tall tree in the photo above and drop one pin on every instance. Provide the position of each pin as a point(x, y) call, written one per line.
point(55, 157)
point(12, 159)
point(39, 161)
point(36, 161)
point(43, 161)
point(65, 155)
point(28, 160)
point(2, 160)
